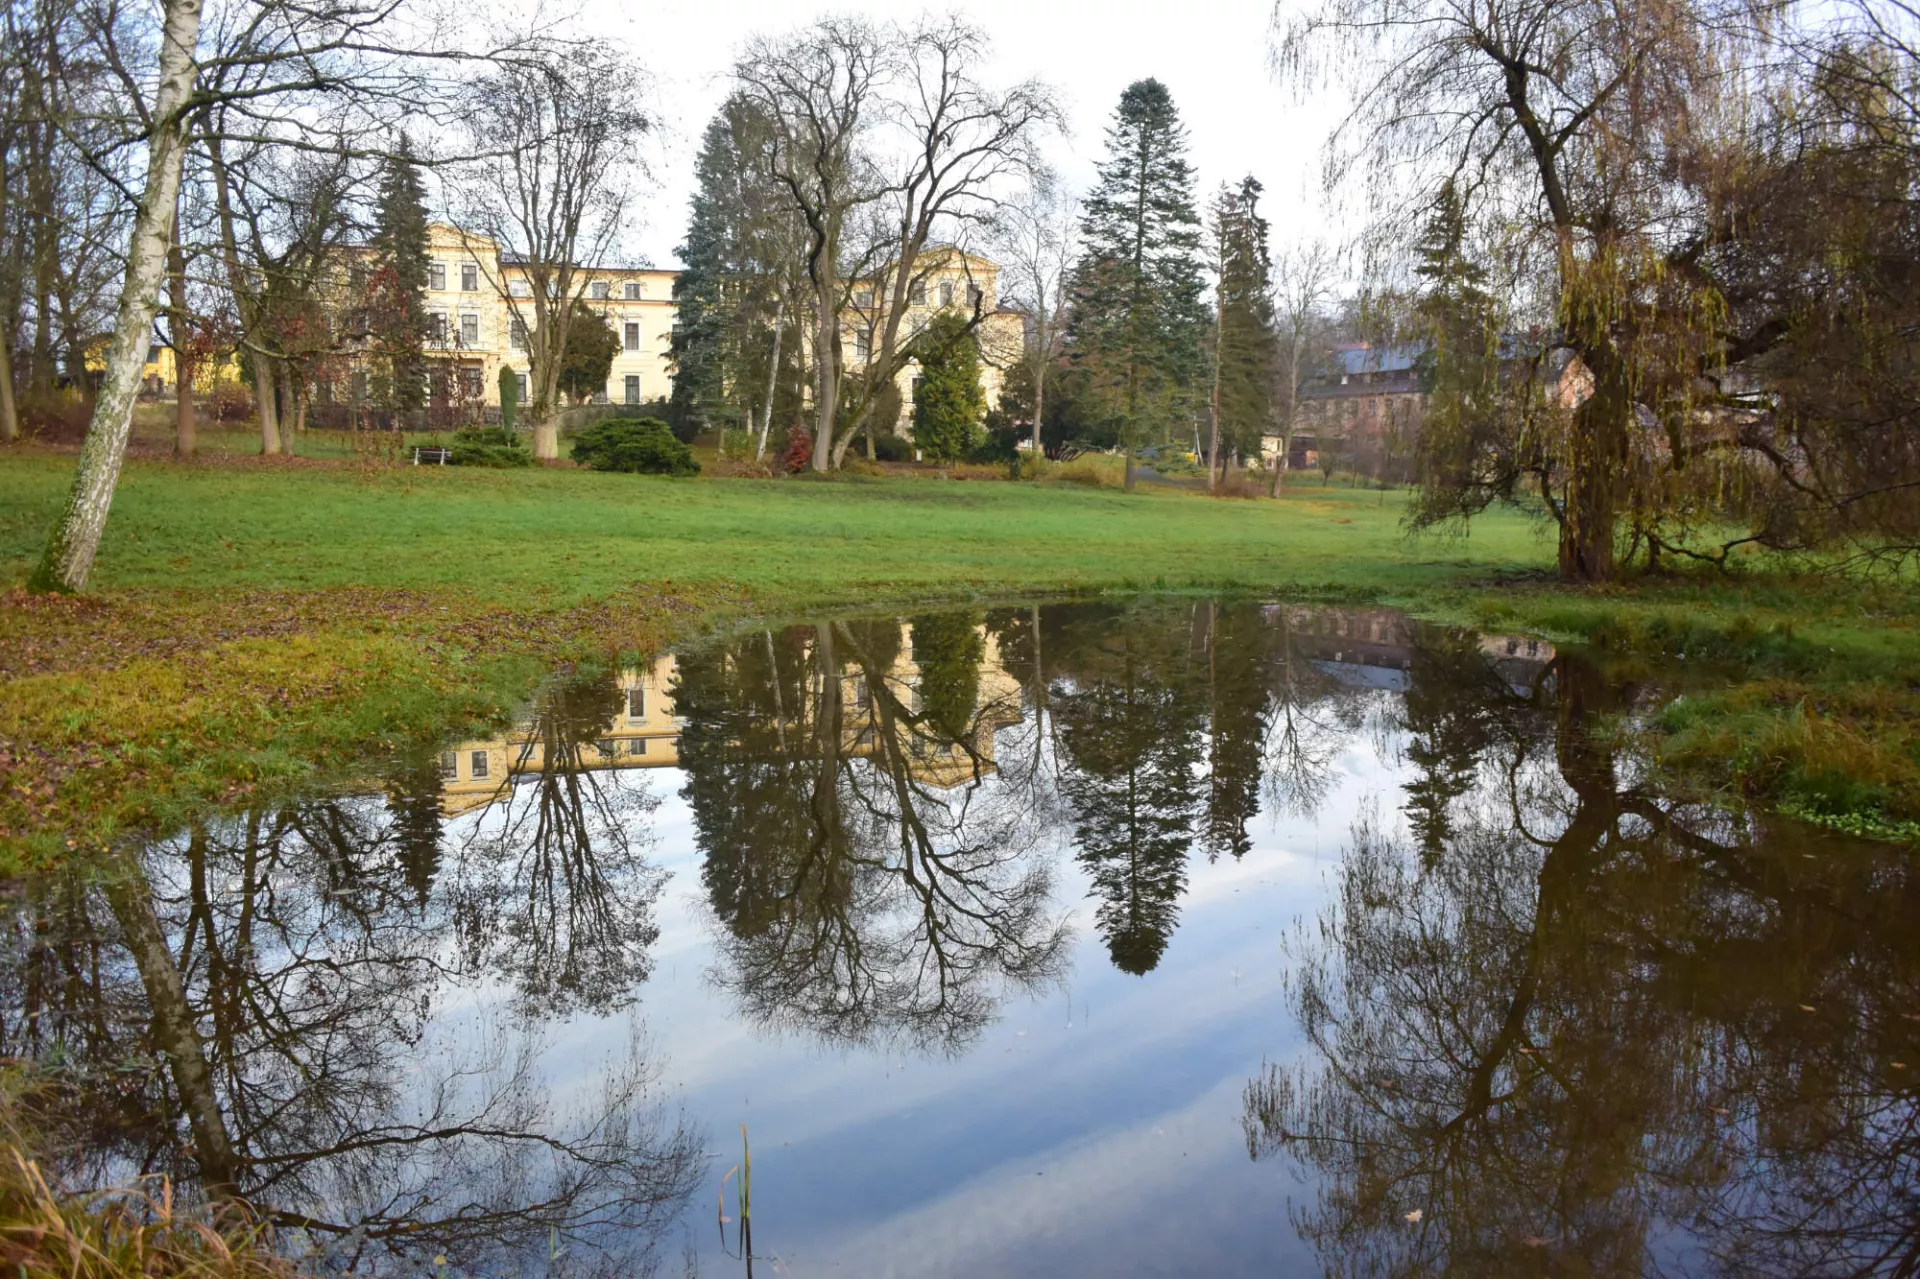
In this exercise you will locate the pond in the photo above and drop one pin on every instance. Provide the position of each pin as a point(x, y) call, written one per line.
point(1148, 938)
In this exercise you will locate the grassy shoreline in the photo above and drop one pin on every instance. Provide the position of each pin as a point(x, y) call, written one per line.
point(259, 628)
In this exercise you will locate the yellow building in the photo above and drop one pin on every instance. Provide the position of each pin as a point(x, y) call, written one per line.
point(952, 280)
point(645, 731)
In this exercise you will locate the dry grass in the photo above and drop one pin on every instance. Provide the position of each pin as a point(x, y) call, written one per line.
point(48, 1233)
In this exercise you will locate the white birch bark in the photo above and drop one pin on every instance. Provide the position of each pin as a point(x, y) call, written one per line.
point(76, 535)
point(773, 377)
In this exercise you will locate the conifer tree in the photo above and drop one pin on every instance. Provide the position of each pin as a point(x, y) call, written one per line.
point(948, 402)
point(737, 264)
point(1139, 326)
point(1456, 321)
point(1246, 344)
point(397, 314)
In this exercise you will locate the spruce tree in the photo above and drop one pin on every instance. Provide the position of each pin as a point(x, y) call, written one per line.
point(726, 294)
point(1457, 323)
point(1247, 345)
point(948, 401)
point(1139, 326)
point(397, 291)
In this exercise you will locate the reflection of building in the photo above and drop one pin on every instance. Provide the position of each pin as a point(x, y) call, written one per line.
point(645, 731)
point(1357, 647)
point(1519, 659)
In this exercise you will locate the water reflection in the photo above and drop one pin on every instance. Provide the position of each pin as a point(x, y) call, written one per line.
point(252, 1008)
point(1563, 1024)
point(1553, 1020)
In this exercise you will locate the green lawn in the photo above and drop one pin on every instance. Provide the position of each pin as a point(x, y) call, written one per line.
point(258, 627)
point(560, 536)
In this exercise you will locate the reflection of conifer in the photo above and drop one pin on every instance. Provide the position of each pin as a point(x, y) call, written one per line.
point(414, 799)
point(1452, 711)
point(1130, 729)
point(948, 651)
point(1238, 703)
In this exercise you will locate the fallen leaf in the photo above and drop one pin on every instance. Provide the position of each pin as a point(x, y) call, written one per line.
point(1415, 1216)
point(1719, 1110)
point(1898, 1065)
point(1806, 1008)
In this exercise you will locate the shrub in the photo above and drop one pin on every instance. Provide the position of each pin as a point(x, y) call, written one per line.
point(892, 448)
point(230, 401)
point(638, 446)
point(488, 446)
point(799, 449)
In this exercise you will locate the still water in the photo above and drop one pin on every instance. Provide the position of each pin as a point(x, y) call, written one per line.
point(1164, 938)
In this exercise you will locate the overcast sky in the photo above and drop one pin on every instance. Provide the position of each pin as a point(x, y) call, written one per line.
point(1212, 55)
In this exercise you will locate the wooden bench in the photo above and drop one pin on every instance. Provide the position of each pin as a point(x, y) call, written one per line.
point(431, 457)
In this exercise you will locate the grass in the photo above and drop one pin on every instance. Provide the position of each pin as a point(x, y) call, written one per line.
point(259, 626)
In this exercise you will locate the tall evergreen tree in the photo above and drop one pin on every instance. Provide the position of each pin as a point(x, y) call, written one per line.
point(737, 261)
point(1139, 325)
point(948, 401)
point(1457, 322)
point(1246, 342)
point(397, 291)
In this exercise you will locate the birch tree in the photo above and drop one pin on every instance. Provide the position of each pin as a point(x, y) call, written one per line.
point(76, 536)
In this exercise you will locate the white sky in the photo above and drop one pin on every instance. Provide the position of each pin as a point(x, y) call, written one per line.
point(1212, 55)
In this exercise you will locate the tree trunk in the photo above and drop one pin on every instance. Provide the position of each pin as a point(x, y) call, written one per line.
point(773, 378)
point(1040, 379)
point(76, 536)
point(266, 397)
point(1127, 485)
point(185, 435)
point(826, 377)
point(546, 438)
point(1213, 439)
point(1281, 463)
point(174, 1034)
point(9, 416)
point(1595, 471)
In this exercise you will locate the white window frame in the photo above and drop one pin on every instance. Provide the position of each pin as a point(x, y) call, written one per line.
point(633, 388)
point(437, 276)
point(599, 290)
point(630, 337)
point(469, 277)
point(633, 291)
point(470, 328)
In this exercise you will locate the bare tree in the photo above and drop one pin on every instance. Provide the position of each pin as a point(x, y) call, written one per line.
point(70, 551)
point(551, 196)
point(1036, 240)
point(1302, 281)
point(894, 154)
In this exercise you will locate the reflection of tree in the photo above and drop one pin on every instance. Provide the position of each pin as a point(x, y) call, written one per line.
point(1130, 726)
point(553, 888)
point(257, 999)
point(873, 881)
point(1238, 645)
point(947, 648)
point(1578, 1032)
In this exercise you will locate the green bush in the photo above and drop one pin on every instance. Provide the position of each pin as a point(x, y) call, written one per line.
point(488, 446)
point(641, 446)
point(888, 447)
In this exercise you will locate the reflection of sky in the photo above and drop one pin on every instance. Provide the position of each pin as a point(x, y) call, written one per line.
point(1095, 1129)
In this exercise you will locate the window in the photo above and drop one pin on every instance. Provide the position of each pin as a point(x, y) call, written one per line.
point(862, 348)
point(470, 329)
point(357, 385)
point(449, 765)
point(437, 327)
point(632, 336)
point(633, 388)
point(917, 293)
point(526, 753)
point(636, 703)
point(599, 290)
point(436, 275)
point(863, 299)
point(638, 746)
point(974, 296)
point(946, 293)
point(633, 291)
point(600, 396)
point(470, 385)
point(469, 277)
point(523, 386)
point(477, 760)
point(519, 289)
point(357, 278)
point(517, 334)
point(607, 747)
